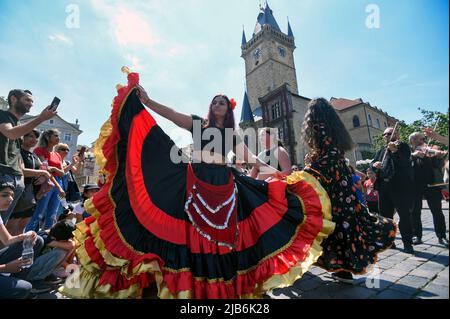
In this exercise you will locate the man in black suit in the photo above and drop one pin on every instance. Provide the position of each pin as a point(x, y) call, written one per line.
point(395, 184)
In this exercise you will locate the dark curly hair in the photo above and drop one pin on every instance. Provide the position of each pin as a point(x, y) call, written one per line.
point(321, 112)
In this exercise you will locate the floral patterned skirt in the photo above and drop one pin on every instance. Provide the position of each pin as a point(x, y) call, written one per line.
point(358, 236)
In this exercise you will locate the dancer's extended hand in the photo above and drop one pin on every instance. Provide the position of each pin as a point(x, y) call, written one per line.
point(142, 94)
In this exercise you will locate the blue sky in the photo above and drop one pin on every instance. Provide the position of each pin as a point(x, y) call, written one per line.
point(188, 50)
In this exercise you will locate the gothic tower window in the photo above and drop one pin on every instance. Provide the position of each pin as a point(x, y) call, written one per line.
point(281, 133)
point(282, 51)
point(356, 121)
point(370, 119)
point(276, 111)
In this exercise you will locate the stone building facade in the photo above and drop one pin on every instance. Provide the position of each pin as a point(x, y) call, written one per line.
point(69, 132)
point(364, 122)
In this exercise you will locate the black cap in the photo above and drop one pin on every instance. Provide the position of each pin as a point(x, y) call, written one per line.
point(88, 187)
point(6, 182)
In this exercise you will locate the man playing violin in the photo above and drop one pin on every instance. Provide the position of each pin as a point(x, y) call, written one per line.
point(428, 166)
point(392, 165)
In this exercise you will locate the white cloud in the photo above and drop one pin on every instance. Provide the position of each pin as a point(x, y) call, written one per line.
point(130, 29)
point(135, 62)
point(399, 79)
point(59, 37)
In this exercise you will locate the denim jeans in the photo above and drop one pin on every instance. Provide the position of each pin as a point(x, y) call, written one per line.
point(19, 186)
point(47, 208)
point(12, 287)
point(10, 253)
point(44, 265)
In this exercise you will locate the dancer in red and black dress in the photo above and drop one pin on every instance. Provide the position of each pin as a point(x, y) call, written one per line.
point(200, 230)
point(359, 236)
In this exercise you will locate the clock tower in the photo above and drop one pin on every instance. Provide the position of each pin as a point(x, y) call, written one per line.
point(269, 58)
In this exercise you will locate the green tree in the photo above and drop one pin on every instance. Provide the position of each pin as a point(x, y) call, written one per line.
point(3, 103)
point(433, 119)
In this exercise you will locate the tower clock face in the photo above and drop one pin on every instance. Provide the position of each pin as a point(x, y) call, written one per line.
point(257, 54)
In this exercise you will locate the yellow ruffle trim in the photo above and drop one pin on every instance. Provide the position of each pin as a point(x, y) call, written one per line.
point(296, 272)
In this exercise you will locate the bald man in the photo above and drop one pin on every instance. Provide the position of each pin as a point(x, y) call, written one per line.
point(395, 184)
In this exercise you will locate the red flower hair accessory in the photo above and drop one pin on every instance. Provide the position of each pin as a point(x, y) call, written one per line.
point(233, 104)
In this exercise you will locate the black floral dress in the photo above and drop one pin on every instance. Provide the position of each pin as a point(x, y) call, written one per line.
point(359, 235)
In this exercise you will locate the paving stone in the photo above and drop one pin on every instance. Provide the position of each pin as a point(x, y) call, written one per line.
point(441, 281)
point(398, 273)
point(440, 259)
point(444, 252)
point(444, 273)
point(392, 294)
point(428, 295)
point(357, 293)
point(413, 281)
point(379, 284)
point(407, 290)
point(326, 291)
point(386, 264)
point(432, 267)
point(308, 285)
point(404, 266)
point(424, 273)
point(398, 258)
point(439, 290)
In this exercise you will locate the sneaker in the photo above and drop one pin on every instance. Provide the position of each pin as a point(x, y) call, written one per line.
point(343, 276)
point(52, 279)
point(409, 249)
point(417, 241)
point(40, 287)
point(61, 273)
point(443, 241)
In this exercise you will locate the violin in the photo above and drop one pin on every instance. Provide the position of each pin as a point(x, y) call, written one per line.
point(428, 150)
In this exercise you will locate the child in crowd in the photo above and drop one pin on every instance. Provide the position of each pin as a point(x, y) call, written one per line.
point(371, 193)
point(88, 191)
point(17, 281)
point(60, 238)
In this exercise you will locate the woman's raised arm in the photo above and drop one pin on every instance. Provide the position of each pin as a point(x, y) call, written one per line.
point(180, 119)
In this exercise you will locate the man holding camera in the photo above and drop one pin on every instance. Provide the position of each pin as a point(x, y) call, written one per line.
point(11, 166)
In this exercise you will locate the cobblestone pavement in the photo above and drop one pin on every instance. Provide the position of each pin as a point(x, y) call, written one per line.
point(423, 275)
point(397, 275)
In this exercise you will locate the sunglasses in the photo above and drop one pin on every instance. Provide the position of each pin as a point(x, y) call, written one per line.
point(64, 149)
point(387, 134)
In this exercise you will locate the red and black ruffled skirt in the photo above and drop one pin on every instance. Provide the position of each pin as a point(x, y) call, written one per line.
point(196, 231)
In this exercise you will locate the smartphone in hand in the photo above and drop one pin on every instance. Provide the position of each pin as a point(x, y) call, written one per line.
point(81, 152)
point(55, 103)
